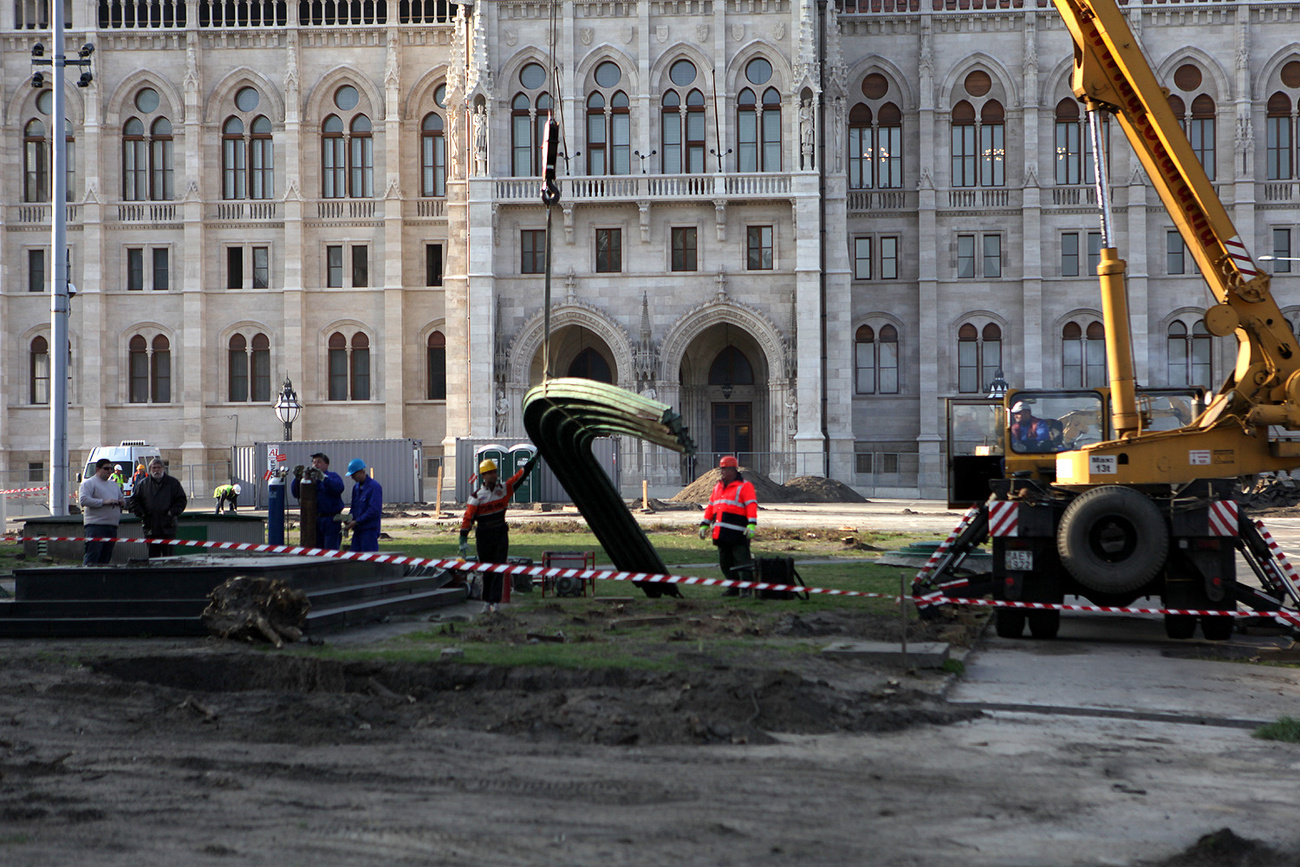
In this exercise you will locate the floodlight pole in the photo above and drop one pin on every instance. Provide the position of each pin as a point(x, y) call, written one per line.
point(59, 298)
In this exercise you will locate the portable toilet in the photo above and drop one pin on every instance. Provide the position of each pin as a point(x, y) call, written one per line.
point(520, 454)
point(495, 452)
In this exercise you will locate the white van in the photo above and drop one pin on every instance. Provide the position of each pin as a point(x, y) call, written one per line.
point(130, 454)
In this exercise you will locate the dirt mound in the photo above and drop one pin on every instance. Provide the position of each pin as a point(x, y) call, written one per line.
point(700, 490)
point(1223, 848)
point(816, 489)
point(288, 699)
point(801, 489)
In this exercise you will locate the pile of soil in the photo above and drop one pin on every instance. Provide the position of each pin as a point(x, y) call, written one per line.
point(701, 489)
point(1224, 848)
point(816, 489)
point(801, 489)
point(297, 700)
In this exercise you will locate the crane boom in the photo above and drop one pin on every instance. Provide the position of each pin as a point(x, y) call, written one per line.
point(1112, 74)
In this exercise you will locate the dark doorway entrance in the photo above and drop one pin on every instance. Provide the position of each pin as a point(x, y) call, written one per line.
point(732, 430)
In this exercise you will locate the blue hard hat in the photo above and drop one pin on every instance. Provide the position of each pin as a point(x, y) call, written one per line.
point(355, 464)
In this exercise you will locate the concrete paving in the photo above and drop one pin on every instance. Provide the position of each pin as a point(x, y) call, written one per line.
point(1124, 666)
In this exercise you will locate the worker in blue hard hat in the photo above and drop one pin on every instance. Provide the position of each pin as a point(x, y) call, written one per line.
point(367, 506)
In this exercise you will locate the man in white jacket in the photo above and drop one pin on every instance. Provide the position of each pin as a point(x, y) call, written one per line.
point(101, 509)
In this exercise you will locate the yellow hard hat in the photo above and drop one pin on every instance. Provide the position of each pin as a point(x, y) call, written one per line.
point(488, 466)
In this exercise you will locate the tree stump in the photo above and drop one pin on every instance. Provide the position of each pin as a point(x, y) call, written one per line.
point(256, 609)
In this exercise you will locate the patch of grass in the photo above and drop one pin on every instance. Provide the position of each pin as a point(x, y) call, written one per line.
point(15, 839)
point(1286, 729)
point(954, 666)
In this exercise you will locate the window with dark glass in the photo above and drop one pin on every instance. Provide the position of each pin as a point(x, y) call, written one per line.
point(1281, 251)
point(1280, 137)
point(38, 391)
point(609, 250)
point(261, 267)
point(862, 258)
point(758, 248)
point(334, 266)
point(237, 355)
point(888, 257)
point(532, 251)
point(433, 157)
point(134, 269)
point(360, 266)
point(432, 264)
point(161, 271)
point(234, 267)
point(437, 367)
point(979, 356)
point(685, 241)
point(36, 281)
point(338, 367)
point(360, 366)
point(1083, 355)
point(1190, 354)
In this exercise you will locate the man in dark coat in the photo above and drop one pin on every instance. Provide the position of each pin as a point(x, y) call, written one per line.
point(158, 501)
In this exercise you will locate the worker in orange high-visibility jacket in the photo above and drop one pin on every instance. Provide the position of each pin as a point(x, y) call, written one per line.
point(487, 508)
point(732, 515)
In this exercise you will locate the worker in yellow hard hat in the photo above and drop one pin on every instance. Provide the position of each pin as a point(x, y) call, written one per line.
point(487, 506)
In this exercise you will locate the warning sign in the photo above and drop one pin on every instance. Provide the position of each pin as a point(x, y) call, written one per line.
point(1102, 465)
point(274, 460)
point(1198, 457)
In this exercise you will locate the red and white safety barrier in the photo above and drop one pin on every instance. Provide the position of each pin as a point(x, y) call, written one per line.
point(937, 596)
point(947, 543)
point(22, 492)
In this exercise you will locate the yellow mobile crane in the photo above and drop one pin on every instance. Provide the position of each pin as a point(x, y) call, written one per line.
point(1108, 505)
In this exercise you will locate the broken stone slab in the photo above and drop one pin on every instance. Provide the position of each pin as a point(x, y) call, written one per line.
point(922, 654)
point(452, 653)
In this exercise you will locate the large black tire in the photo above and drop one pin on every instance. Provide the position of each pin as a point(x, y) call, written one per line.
point(1009, 622)
point(1216, 627)
point(1180, 626)
point(1112, 539)
point(1044, 624)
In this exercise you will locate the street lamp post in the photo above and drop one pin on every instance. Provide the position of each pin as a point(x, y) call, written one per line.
point(288, 408)
point(60, 294)
point(999, 387)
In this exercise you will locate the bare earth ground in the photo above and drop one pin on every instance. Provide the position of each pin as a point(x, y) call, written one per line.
point(167, 752)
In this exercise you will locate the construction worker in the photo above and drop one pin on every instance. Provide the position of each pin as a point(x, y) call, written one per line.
point(732, 519)
point(366, 510)
point(487, 506)
point(118, 476)
point(227, 494)
point(329, 499)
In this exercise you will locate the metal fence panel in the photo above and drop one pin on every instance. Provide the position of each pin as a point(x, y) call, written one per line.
point(397, 464)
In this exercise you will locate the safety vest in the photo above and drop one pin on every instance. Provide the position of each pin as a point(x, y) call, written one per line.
point(488, 505)
point(730, 509)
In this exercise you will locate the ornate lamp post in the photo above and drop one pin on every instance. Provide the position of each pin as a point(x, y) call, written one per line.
point(288, 408)
point(999, 386)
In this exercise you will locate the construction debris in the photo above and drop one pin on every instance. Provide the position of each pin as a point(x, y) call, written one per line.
point(257, 609)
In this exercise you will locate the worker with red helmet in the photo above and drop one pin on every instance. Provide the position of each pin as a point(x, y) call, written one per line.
point(732, 516)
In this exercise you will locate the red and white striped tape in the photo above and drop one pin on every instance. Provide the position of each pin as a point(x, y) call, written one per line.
point(1224, 519)
point(1287, 617)
point(1004, 518)
point(24, 491)
point(1241, 257)
point(1279, 564)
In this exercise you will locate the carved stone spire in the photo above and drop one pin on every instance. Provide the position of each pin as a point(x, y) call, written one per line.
point(645, 351)
point(806, 70)
point(480, 69)
point(837, 75)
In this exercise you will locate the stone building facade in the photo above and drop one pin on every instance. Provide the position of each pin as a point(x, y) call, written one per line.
point(802, 224)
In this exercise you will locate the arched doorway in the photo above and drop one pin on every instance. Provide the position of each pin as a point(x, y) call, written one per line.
point(725, 394)
point(577, 351)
